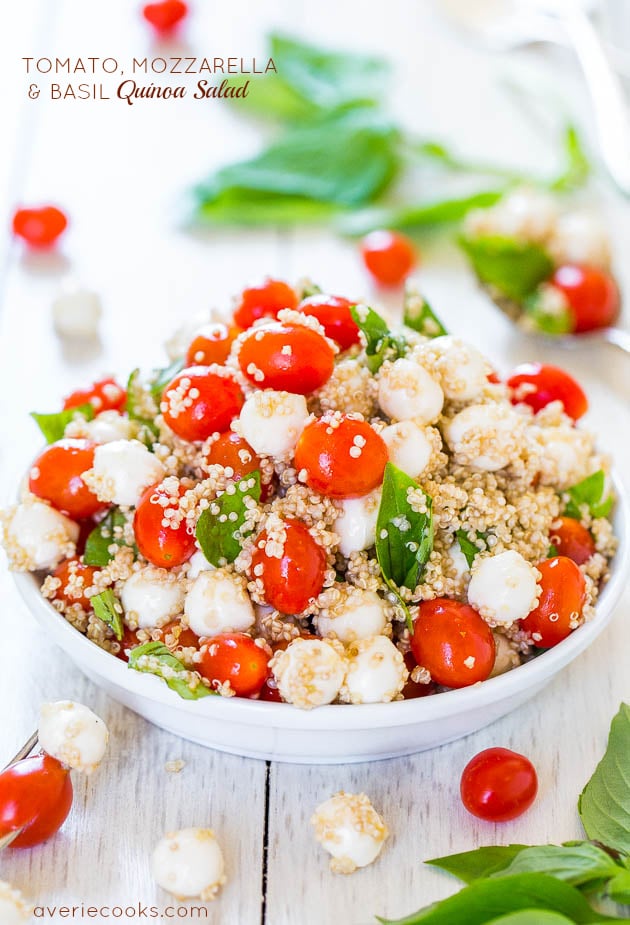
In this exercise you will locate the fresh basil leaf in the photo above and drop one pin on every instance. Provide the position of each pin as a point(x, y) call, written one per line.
point(538, 315)
point(380, 343)
point(513, 268)
point(552, 552)
point(250, 208)
point(533, 917)
point(404, 536)
point(108, 609)
point(102, 537)
point(53, 425)
point(618, 888)
point(479, 863)
point(219, 526)
point(486, 900)
point(133, 403)
point(579, 864)
point(466, 545)
point(155, 658)
point(419, 316)
point(422, 215)
point(271, 96)
point(578, 168)
point(161, 378)
point(604, 804)
point(591, 492)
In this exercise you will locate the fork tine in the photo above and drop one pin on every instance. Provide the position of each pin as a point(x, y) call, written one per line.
point(26, 749)
point(6, 840)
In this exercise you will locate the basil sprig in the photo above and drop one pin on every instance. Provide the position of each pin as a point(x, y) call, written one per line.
point(108, 609)
point(53, 426)
point(604, 804)
point(155, 658)
point(102, 537)
point(591, 491)
point(219, 526)
point(469, 549)
point(419, 316)
point(380, 343)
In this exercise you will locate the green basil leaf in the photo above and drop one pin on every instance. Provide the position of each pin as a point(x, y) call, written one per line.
point(533, 917)
point(132, 405)
point(578, 863)
point(108, 609)
point(513, 268)
point(219, 526)
point(422, 215)
point(419, 316)
point(542, 319)
point(552, 552)
point(404, 536)
point(604, 804)
point(475, 865)
point(250, 208)
point(102, 537)
point(618, 888)
point(53, 425)
point(577, 168)
point(486, 900)
point(155, 658)
point(466, 545)
point(591, 492)
point(161, 378)
point(380, 343)
point(271, 96)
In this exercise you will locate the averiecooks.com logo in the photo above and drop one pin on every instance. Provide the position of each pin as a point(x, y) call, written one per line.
point(143, 78)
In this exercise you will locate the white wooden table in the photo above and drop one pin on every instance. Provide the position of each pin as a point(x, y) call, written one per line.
point(121, 173)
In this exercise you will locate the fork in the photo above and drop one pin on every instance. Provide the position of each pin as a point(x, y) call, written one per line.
point(24, 752)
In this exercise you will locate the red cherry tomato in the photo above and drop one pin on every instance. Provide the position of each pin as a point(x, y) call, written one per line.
point(592, 295)
point(198, 403)
point(389, 256)
point(453, 643)
point(104, 395)
point(211, 345)
point(536, 385)
point(35, 796)
point(39, 227)
point(237, 659)
point(413, 689)
point(498, 785)
point(343, 458)
point(263, 301)
point(176, 636)
point(572, 539)
point(289, 582)
point(269, 691)
point(129, 641)
point(333, 313)
point(560, 603)
point(235, 453)
point(81, 577)
point(165, 15)
point(56, 477)
point(163, 545)
point(286, 357)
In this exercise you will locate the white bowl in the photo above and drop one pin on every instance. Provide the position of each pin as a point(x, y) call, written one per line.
point(331, 734)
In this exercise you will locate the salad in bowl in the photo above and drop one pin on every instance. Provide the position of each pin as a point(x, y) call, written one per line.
point(314, 506)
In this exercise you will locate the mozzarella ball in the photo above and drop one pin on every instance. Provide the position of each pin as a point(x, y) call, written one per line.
point(198, 564)
point(348, 827)
point(72, 734)
point(351, 389)
point(506, 656)
point(409, 446)
point(376, 671)
point(357, 614)
point(310, 672)
point(356, 523)
point(189, 864)
point(122, 470)
point(14, 910)
point(524, 215)
point(485, 437)
point(580, 237)
point(271, 422)
point(503, 588)
point(36, 536)
point(459, 368)
point(151, 597)
point(109, 426)
point(563, 454)
point(76, 313)
point(406, 390)
point(218, 602)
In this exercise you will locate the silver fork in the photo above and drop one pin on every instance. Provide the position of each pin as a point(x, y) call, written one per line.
point(24, 752)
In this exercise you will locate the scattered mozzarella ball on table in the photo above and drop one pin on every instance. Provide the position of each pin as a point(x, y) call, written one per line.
point(406, 391)
point(309, 672)
point(189, 864)
point(152, 596)
point(14, 910)
point(36, 536)
point(76, 313)
point(73, 734)
point(485, 437)
point(357, 614)
point(409, 446)
point(503, 588)
point(376, 671)
point(122, 470)
point(218, 602)
point(350, 829)
point(356, 523)
point(271, 422)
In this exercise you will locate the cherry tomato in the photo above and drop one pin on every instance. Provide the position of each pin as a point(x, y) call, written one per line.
point(56, 477)
point(269, 691)
point(165, 15)
point(493, 377)
point(286, 357)
point(343, 458)
point(413, 689)
point(104, 395)
point(592, 295)
point(39, 227)
point(176, 636)
point(82, 578)
point(389, 256)
point(211, 345)
point(263, 301)
point(289, 582)
point(572, 539)
point(163, 545)
point(35, 796)
point(560, 603)
point(129, 641)
point(536, 385)
point(333, 313)
point(198, 403)
point(498, 785)
point(453, 643)
point(235, 453)
point(236, 658)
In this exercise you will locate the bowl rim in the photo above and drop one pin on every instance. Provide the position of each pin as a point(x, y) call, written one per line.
point(243, 711)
